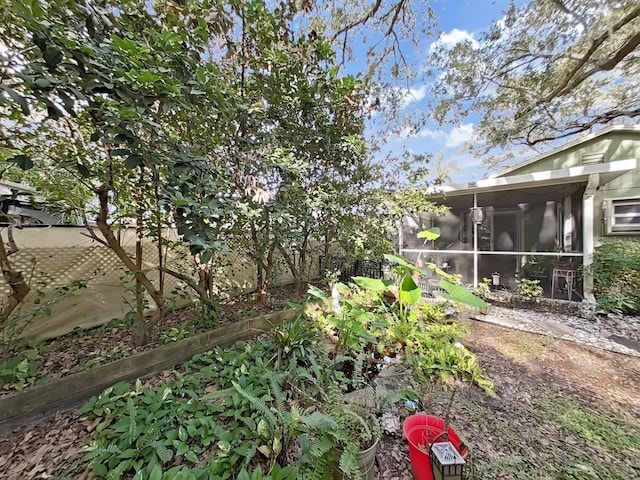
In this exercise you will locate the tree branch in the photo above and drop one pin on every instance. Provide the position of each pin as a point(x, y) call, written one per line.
point(15, 280)
point(571, 80)
point(361, 21)
point(571, 13)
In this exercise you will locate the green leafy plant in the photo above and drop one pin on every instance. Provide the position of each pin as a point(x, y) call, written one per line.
point(174, 334)
point(537, 266)
point(333, 436)
point(349, 322)
point(483, 290)
point(277, 473)
point(296, 340)
point(529, 290)
point(20, 371)
point(616, 275)
point(428, 311)
point(209, 312)
point(358, 430)
point(412, 327)
point(437, 351)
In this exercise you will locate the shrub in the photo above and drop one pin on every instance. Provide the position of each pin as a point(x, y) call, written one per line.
point(431, 312)
point(529, 290)
point(483, 290)
point(616, 275)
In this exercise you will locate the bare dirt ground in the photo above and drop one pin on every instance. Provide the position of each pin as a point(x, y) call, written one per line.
point(561, 411)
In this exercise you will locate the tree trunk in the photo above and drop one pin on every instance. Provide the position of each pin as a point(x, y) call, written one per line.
point(265, 268)
point(139, 287)
point(19, 288)
point(295, 271)
point(158, 215)
point(112, 241)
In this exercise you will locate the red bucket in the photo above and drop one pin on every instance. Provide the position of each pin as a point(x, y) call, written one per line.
point(421, 430)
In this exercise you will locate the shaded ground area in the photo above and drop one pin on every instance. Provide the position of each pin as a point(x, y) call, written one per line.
point(83, 349)
point(561, 411)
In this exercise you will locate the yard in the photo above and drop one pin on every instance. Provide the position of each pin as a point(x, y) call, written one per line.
point(207, 153)
point(560, 410)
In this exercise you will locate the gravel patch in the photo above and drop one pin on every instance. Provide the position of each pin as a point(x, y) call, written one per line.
point(568, 321)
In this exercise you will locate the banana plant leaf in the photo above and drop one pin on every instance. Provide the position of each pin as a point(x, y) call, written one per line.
point(409, 292)
point(401, 262)
point(459, 294)
point(430, 233)
point(374, 284)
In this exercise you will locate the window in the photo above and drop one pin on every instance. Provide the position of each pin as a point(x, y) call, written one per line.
point(623, 215)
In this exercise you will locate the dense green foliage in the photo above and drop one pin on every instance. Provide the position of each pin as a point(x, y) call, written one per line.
point(257, 406)
point(225, 412)
point(529, 290)
point(544, 71)
point(19, 371)
point(390, 317)
point(616, 275)
point(226, 119)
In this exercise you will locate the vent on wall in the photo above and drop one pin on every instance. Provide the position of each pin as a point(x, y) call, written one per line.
point(592, 158)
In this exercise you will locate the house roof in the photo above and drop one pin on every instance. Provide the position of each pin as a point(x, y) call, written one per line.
point(579, 174)
point(566, 146)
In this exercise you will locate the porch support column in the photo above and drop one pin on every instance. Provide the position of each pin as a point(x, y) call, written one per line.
point(475, 244)
point(588, 212)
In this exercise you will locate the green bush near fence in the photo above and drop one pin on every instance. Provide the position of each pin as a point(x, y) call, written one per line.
point(616, 274)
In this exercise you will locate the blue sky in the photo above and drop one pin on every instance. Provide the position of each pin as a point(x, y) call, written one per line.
point(457, 20)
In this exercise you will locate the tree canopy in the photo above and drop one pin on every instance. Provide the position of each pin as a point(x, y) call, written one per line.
point(547, 70)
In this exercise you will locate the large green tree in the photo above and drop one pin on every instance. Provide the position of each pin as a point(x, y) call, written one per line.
point(118, 76)
point(545, 71)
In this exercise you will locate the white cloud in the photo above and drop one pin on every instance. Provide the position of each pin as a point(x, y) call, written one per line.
point(407, 96)
point(433, 134)
point(452, 139)
point(451, 39)
point(459, 135)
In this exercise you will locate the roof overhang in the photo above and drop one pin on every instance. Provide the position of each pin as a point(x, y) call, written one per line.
point(8, 188)
point(579, 174)
point(628, 129)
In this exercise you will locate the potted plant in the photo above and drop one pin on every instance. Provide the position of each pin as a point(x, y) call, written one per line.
point(358, 433)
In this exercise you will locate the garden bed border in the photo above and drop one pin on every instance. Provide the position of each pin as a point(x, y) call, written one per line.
point(44, 400)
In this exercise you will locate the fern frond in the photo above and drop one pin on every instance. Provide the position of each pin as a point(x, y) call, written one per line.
point(320, 422)
point(349, 463)
point(361, 422)
point(275, 383)
point(321, 447)
point(131, 410)
point(259, 404)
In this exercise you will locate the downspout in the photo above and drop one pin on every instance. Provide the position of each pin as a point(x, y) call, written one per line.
point(588, 212)
point(475, 244)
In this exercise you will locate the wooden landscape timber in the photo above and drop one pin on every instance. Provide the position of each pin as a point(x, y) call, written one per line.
point(62, 393)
